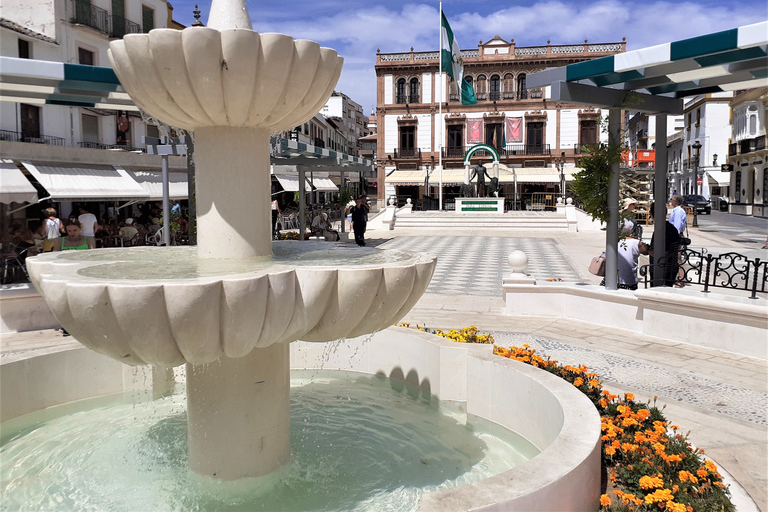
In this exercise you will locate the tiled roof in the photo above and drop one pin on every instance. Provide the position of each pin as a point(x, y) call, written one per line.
point(25, 31)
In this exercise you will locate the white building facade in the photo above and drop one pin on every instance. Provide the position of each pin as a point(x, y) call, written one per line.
point(747, 154)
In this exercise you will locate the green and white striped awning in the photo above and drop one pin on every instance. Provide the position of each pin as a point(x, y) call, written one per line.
point(292, 152)
point(723, 61)
point(58, 83)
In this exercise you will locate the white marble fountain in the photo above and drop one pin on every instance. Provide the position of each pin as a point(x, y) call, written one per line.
point(230, 307)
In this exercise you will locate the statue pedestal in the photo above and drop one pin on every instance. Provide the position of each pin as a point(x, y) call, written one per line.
point(479, 205)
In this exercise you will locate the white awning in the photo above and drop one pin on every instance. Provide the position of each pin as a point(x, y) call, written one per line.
point(14, 186)
point(719, 178)
point(86, 182)
point(324, 184)
point(152, 183)
point(290, 183)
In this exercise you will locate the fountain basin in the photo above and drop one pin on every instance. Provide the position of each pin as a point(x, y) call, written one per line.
point(547, 411)
point(203, 77)
point(166, 307)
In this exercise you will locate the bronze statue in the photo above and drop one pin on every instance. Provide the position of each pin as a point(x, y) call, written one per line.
point(481, 173)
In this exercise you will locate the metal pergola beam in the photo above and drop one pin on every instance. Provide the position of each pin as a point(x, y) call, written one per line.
point(569, 92)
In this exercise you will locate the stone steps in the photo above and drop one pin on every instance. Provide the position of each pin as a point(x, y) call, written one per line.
point(549, 222)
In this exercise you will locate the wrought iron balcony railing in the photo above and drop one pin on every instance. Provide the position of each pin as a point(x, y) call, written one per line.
point(401, 99)
point(453, 152)
point(120, 26)
point(101, 145)
point(494, 96)
point(12, 136)
point(508, 95)
point(408, 153)
point(526, 149)
point(84, 13)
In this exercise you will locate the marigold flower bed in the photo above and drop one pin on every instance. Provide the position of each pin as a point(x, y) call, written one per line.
point(652, 465)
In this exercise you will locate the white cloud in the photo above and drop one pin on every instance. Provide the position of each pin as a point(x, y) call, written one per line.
point(356, 30)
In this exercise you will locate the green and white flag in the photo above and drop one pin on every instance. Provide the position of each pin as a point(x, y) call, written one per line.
point(452, 63)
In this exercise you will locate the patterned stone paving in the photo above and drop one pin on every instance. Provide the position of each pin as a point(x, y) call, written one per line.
point(709, 394)
point(475, 265)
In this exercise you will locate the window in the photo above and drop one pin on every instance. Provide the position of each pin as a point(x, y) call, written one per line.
point(737, 188)
point(522, 92)
point(85, 57)
point(588, 132)
point(30, 121)
point(509, 87)
point(698, 117)
point(400, 96)
point(494, 135)
point(481, 88)
point(495, 92)
point(535, 134)
point(147, 18)
point(24, 49)
point(90, 128)
point(413, 92)
point(690, 116)
point(407, 137)
point(456, 136)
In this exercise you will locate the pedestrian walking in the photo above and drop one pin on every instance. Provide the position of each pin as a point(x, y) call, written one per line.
point(359, 215)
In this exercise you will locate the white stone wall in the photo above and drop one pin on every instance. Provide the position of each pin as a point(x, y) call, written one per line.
point(551, 129)
point(424, 132)
point(569, 128)
point(426, 88)
point(37, 15)
point(390, 133)
point(388, 92)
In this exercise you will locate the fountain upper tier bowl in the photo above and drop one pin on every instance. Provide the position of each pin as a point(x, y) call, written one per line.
point(200, 77)
point(164, 306)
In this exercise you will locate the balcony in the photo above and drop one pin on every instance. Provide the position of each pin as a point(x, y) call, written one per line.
point(119, 27)
point(760, 143)
point(526, 150)
point(39, 139)
point(522, 95)
point(453, 152)
point(401, 99)
point(408, 153)
point(481, 96)
point(535, 94)
point(733, 149)
point(508, 95)
point(747, 146)
point(414, 99)
point(453, 97)
point(318, 143)
point(83, 13)
point(494, 96)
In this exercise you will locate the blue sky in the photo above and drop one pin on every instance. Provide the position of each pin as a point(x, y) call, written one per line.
point(357, 29)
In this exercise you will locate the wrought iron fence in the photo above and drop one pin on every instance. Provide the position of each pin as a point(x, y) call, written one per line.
point(120, 26)
point(100, 145)
point(728, 270)
point(408, 153)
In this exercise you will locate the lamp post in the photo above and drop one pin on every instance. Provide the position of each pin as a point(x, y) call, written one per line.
point(696, 153)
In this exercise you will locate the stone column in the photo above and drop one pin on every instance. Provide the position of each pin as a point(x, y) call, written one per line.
point(233, 192)
point(238, 414)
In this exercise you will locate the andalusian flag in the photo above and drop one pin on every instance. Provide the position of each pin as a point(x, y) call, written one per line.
point(452, 63)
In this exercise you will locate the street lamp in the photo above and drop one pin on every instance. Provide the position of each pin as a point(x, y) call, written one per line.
point(696, 153)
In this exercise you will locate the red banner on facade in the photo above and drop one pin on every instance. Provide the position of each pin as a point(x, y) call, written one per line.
point(475, 131)
point(514, 129)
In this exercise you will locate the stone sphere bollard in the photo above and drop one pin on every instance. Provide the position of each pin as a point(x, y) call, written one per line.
point(569, 200)
point(559, 200)
point(517, 261)
point(391, 201)
point(408, 201)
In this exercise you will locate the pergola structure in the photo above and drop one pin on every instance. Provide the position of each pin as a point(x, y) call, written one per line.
point(655, 80)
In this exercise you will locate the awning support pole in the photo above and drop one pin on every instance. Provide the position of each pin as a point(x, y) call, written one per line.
point(660, 198)
point(612, 231)
point(166, 203)
point(302, 199)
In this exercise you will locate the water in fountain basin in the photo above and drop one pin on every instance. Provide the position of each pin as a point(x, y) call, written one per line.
point(141, 263)
point(359, 443)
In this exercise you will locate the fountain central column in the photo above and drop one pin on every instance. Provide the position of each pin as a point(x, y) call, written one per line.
point(233, 186)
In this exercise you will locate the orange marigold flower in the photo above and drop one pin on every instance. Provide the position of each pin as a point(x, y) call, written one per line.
point(673, 458)
point(610, 450)
point(651, 482)
point(658, 496)
point(618, 493)
point(629, 396)
point(628, 422)
point(710, 466)
point(702, 473)
point(578, 382)
point(686, 475)
point(602, 403)
point(605, 501)
point(675, 507)
point(593, 383)
point(643, 414)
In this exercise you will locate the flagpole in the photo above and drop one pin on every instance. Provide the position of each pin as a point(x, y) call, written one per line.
point(440, 109)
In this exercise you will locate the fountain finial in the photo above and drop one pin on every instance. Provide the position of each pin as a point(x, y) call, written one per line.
point(229, 14)
point(196, 14)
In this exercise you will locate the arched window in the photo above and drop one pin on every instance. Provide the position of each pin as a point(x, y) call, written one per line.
point(522, 92)
point(495, 89)
point(509, 87)
point(400, 95)
point(413, 91)
point(481, 88)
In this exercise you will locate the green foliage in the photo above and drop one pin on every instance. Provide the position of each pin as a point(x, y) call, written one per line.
point(345, 195)
point(590, 186)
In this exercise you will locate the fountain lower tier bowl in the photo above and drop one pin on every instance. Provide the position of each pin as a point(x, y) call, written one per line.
point(166, 307)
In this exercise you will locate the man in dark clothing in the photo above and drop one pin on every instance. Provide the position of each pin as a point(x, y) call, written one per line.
point(672, 246)
point(359, 214)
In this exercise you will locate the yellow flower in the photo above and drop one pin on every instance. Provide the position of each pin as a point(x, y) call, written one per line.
point(658, 496)
point(605, 501)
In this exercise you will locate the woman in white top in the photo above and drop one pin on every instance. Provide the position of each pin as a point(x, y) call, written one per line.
point(53, 229)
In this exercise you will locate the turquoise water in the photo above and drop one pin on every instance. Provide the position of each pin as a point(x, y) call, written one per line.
point(359, 443)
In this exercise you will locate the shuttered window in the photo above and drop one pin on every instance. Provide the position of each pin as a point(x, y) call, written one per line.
point(147, 18)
